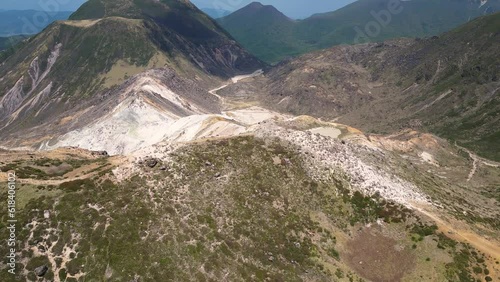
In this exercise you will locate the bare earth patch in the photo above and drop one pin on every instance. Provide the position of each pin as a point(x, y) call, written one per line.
point(82, 23)
point(377, 257)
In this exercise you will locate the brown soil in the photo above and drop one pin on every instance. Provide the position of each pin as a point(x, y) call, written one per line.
point(378, 258)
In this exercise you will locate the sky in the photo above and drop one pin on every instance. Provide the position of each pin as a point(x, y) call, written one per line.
point(296, 9)
point(41, 5)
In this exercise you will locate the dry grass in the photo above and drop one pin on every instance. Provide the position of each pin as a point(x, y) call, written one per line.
point(82, 23)
point(122, 70)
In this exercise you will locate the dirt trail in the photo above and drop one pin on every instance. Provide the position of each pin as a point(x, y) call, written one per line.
point(214, 91)
point(240, 77)
point(59, 181)
point(92, 170)
point(233, 80)
point(438, 70)
point(474, 167)
point(491, 248)
point(441, 97)
point(475, 160)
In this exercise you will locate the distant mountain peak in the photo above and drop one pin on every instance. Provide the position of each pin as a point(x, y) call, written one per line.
point(262, 7)
point(255, 4)
point(257, 9)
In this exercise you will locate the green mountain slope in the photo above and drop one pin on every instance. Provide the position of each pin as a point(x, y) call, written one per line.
point(360, 22)
point(256, 220)
point(448, 85)
point(465, 64)
point(264, 31)
point(11, 41)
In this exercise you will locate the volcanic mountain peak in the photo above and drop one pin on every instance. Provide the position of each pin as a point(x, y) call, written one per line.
point(93, 9)
point(258, 6)
point(178, 15)
point(255, 5)
point(257, 9)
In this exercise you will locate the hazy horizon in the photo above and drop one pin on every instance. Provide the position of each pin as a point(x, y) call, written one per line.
point(296, 9)
point(292, 8)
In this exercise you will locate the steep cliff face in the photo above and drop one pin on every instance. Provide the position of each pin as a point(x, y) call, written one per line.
point(13, 100)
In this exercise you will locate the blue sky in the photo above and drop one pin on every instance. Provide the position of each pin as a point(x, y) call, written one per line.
point(61, 5)
point(291, 8)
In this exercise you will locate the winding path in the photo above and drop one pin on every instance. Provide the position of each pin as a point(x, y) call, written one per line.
point(234, 80)
point(475, 160)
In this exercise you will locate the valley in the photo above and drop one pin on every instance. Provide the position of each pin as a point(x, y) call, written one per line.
point(404, 83)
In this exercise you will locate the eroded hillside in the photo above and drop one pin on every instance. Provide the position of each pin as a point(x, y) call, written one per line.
point(76, 65)
point(446, 85)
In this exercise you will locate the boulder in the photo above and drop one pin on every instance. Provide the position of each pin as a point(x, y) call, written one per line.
point(151, 162)
point(100, 153)
point(41, 270)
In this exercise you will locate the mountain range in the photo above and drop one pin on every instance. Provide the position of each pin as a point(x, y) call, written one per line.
point(360, 22)
point(139, 141)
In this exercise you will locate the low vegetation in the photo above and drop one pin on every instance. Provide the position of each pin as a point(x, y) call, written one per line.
point(219, 209)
